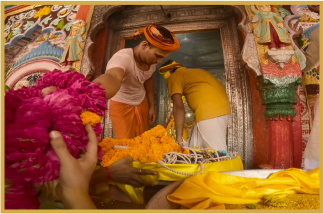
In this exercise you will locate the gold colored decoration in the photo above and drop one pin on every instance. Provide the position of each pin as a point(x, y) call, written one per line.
point(309, 79)
point(289, 202)
point(263, 49)
point(43, 12)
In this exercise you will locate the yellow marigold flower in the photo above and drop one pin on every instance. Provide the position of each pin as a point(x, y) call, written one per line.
point(89, 117)
point(186, 151)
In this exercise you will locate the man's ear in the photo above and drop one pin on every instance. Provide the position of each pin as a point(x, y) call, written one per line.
point(144, 44)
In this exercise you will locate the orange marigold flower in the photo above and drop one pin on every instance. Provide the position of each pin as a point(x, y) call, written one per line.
point(89, 117)
point(147, 148)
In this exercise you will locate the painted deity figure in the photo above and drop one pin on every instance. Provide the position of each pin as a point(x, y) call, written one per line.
point(72, 47)
point(270, 29)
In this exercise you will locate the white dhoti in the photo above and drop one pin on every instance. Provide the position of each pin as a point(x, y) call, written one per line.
point(312, 150)
point(210, 133)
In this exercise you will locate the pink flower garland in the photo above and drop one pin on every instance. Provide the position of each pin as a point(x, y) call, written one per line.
point(29, 117)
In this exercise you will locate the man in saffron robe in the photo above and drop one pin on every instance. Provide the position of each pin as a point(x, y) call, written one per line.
point(129, 82)
point(206, 96)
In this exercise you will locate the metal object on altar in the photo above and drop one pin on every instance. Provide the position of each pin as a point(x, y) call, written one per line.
point(160, 201)
point(280, 57)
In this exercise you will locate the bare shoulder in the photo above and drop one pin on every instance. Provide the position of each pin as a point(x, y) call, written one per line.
point(116, 73)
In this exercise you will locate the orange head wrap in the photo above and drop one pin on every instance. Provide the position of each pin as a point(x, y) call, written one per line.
point(155, 38)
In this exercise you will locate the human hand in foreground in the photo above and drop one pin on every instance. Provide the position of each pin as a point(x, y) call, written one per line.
point(75, 174)
point(47, 90)
point(123, 173)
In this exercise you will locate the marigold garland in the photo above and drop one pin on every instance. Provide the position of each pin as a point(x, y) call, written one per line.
point(89, 117)
point(147, 148)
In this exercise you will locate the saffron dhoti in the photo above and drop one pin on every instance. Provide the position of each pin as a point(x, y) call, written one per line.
point(128, 121)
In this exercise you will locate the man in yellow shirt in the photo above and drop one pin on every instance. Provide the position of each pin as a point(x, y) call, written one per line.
point(206, 96)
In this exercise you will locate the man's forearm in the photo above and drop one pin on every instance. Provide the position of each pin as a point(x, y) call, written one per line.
point(149, 88)
point(179, 113)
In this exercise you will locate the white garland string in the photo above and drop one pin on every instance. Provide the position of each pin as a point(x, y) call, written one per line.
point(173, 158)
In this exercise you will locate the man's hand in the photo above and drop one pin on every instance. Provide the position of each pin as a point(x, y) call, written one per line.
point(152, 115)
point(47, 90)
point(280, 25)
point(180, 143)
point(123, 173)
point(75, 174)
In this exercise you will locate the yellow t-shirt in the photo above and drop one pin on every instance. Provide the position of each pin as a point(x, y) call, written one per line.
point(205, 95)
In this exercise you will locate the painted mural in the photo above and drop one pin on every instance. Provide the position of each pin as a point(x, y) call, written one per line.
point(35, 40)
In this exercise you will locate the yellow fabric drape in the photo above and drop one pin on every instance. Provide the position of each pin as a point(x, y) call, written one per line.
point(212, 190)
point(136, 194)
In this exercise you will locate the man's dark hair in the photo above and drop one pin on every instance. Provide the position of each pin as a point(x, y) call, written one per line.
point(168, 63)
point(165, 33)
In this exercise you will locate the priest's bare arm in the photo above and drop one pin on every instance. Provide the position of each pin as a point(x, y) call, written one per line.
point(111, 81)
point(179, 116)
point(149, 88)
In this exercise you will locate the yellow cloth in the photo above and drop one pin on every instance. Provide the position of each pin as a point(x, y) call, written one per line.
point(165, 71)
point(212, 190)
point(136, 194)
point(205, 95)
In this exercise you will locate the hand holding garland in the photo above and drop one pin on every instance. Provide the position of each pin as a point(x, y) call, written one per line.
point(75, 174)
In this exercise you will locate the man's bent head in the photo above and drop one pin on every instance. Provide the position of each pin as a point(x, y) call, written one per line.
point(157, 43)
point(168, 68)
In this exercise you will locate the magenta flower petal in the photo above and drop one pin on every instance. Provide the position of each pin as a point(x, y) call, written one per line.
point(29, 117)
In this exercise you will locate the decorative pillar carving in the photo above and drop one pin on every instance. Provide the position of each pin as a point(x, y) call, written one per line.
point(278, 84)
